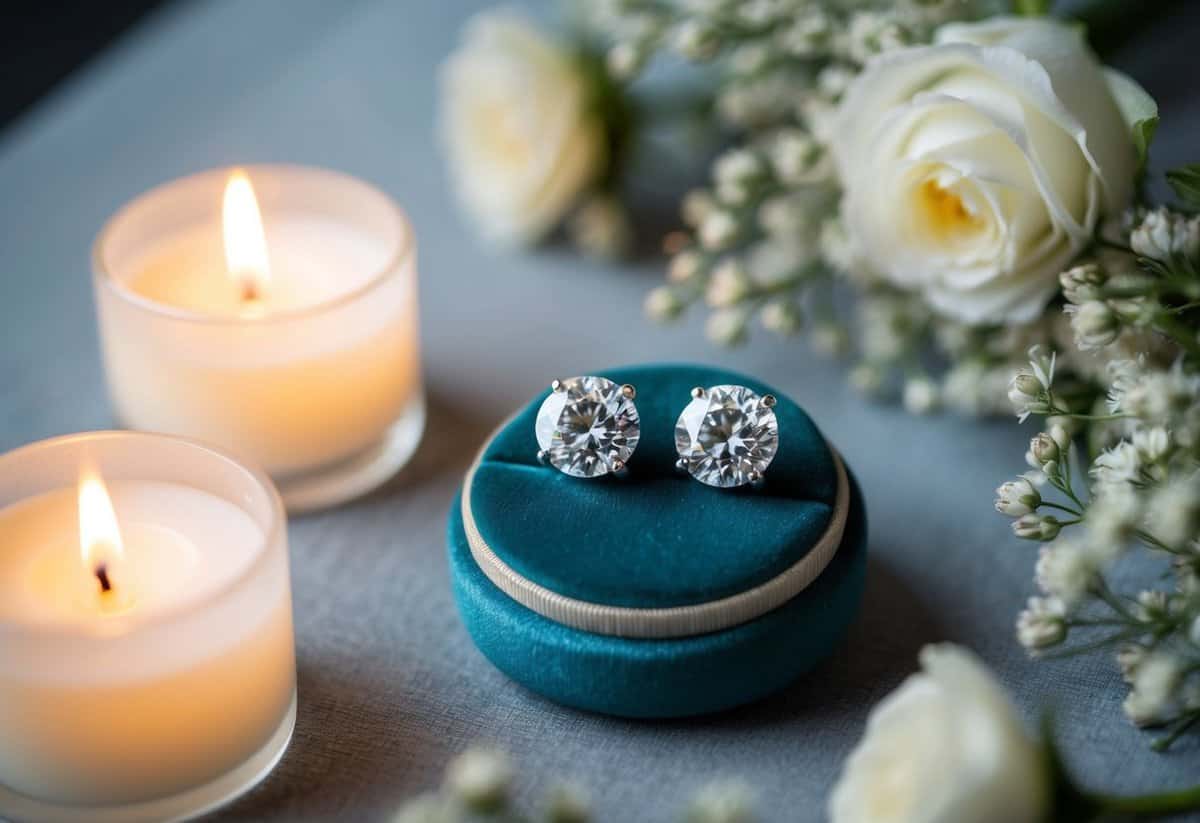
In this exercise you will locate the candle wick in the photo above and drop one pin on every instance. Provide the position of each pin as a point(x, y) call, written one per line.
point(102, 576)
point(249, 290)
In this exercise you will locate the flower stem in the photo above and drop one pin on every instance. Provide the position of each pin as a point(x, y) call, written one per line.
point(1062, 508)
point(1151, 804)
point(1031, 8)
point(1115, 602)
point(1164, 743)
point(1095, 418)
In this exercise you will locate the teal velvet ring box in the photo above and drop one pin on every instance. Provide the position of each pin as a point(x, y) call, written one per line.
point(651, 594)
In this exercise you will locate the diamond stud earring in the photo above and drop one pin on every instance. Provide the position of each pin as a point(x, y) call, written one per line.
point(727, 436)
point(588, 426)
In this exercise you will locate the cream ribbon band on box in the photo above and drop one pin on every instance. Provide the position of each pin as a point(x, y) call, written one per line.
point(674, 621)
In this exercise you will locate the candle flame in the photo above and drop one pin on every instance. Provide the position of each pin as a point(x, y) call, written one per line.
point(245, 241)
point(100, 542)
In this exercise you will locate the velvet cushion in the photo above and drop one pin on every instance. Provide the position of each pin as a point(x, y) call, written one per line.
point(655, 537)
point(651, 539)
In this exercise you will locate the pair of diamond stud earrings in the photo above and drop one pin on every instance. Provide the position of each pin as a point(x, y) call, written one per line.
point(725, 437)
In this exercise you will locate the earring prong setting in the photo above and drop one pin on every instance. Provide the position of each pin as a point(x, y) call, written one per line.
point(727, 436)
point(588, 426)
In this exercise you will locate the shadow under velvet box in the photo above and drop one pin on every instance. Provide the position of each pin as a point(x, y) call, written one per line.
point(653, 595)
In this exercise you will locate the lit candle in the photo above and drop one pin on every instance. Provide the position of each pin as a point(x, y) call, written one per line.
point(147, 666)
point(271, 311)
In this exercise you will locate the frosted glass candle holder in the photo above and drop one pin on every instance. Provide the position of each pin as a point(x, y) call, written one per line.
point(319, 381)
point(182, 698)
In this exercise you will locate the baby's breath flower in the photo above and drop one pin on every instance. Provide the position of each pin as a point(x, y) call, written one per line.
point(1152, 444)
point(808, 35)
point(1120, 464)
point(737, 167)
point(750, 58)
point(724, 802)
point(1042, 624)
point(728, 284)
point(1034, 526)
point(1114, 513)
point(1152, 605)
point(726, 327)
point(1046, 451)
point(887, 327)
point(1017, 497)
point(973, 388)
point(833, 80)
point(836, 245)
point(684, 266)
point(1094, 323)
point(1142, 310)
point(873, 33)
point(793, 154)
point(755, 13)
point(1174, 511)
point(1129, 657)
point(1186, 568)
point(1066, 570)
point(830, 338)
point(1029, 391)
point(1170, 397)
point(1155, 680)
point(662, 304)
point(428, 808)
point(1123, 375)
point(624, 60)
point(1082, 283)
point(783, 216)
point(697, 205)
point(567, 804)
point(718, 230)
point(921, 395)
point(696, 40)
point(781, 317)
point(480, 779)
point(601, 227)
point(1163, 234)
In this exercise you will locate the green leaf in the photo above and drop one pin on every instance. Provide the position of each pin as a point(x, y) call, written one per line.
point(1139, 111)
point(1143, 133)
point(1032, 8)
point(1068, 804)
point(1185, 180)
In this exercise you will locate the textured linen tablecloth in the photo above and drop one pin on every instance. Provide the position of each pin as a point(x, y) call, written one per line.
point(390, 685)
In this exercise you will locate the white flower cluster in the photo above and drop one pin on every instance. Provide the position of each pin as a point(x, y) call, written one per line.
point(775, 230)
point(478, 786)
point(1131, 308)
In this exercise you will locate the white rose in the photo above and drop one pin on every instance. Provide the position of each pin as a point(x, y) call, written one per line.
point(516, 124)
point(945, 747)
point(975, 169)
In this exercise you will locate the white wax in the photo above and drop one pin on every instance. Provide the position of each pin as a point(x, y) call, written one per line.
point(313, 260)
point(180, 545)
point(313, 373)
point(154, 718)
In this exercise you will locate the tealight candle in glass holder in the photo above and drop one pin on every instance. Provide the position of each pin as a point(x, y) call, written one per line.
point(272, 311)
point(147, 659)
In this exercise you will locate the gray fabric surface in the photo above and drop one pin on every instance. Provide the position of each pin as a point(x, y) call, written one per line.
point(390, 686)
